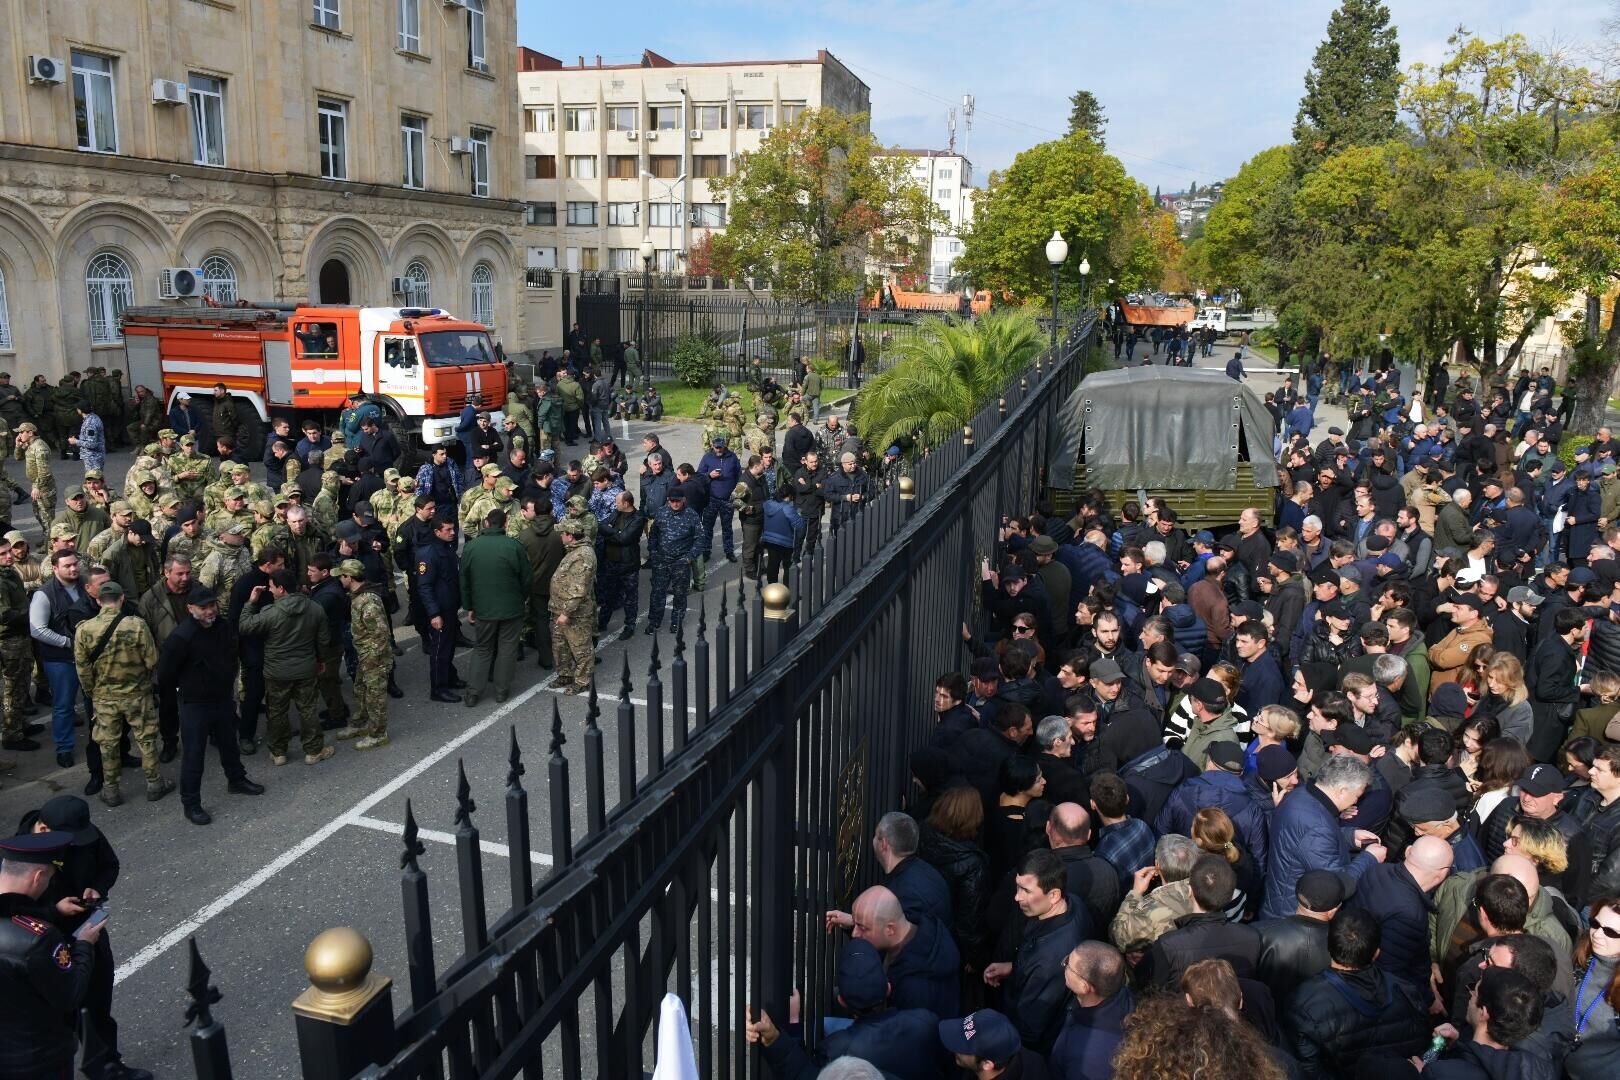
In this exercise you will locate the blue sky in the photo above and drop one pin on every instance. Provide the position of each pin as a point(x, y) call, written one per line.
point(1192, 90)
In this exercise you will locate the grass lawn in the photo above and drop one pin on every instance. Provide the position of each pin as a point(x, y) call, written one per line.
point(1267, 351)
point(685, 401)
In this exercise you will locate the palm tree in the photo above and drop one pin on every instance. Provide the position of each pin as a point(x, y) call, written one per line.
point(944, 374)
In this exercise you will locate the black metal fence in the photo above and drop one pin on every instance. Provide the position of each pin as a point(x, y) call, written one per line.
point(774, 734)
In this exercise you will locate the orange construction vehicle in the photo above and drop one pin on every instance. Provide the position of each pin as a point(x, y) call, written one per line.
point(893, 298)
point(421, 365)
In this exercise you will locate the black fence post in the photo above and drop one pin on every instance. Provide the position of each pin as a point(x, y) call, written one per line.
point(345, 1020)
point(655, 714)
point(418, 915)
point(595, 774)
point(210, 1057)
point(469, 867)
point(562, 826)
point(677, 695)
point(517, 823)
point(627, 737)
point(700, 667)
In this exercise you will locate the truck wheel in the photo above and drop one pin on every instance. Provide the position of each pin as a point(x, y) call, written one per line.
point(250, 431)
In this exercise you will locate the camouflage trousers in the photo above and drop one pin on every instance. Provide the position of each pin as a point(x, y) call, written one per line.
point(279, 696)
point(45, 510)
point(16, 664)
point(112, 716)
point(371, 697)
point(572, 649)
point(329, 686)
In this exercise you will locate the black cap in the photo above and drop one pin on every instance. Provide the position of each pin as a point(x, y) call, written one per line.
point(1209, 693)
point(1284, 560)
point(70, 815)
point(1424, 801)
point(1376, 542)
point(1337, 609)
point(1322, 890)
point(862, 982)
point(141, 527)
point(675, 495)
point(41, 849)
point(986, 669)
point(1339, 431)
point(1325, 575)
point(1228, 755)
point(1541, 780)
point(201, 596)
point(1354, 739)
point(1275, 762)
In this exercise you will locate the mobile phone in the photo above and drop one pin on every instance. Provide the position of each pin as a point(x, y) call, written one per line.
point(97, 917)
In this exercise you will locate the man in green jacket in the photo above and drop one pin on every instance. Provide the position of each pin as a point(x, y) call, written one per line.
point(295, 632)
point(494, 588)
point(548, 418)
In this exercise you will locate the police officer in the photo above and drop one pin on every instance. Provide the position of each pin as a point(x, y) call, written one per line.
point(621, 562)
point(44, 976)
point(116, 655)
point(198, 662)
point(676, 539)
point(438, 583)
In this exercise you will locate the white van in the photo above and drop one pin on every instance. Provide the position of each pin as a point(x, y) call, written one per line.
point(1210, 318)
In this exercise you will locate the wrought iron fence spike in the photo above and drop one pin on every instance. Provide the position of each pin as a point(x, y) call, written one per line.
point(653, 664)
point(514, 762)
point(203, 993)
point(557, 736)
point(465, 807)
point(593, 708)
point(413, 844)
point(624, 678)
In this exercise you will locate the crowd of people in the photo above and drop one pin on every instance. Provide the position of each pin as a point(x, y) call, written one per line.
point(1335, 793)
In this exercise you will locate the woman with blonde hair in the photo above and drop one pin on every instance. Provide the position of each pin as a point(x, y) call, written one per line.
point(1594, 721)
point(1504, 676)
point(1274, 725)
point(1212, 830)
point(1543, 843)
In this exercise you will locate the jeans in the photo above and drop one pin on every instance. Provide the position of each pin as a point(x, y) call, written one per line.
point(64, 680)
point(198, 724)
point(599, 423)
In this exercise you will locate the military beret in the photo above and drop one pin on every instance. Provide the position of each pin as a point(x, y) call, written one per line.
point(350, 568)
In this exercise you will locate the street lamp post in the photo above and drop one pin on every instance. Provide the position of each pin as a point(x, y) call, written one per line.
point(646, 293)
point(1057, 251)
point(1085, 281)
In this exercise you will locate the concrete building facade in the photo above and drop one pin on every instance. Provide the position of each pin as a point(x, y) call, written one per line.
point(948, 178)
point(614, 153)
point(342, 151)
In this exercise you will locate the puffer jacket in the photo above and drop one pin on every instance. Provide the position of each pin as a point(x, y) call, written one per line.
point(1305, 835)
point(295, 632)
point(1191, 635)
point(966, 869)
point(783, 524)
point(1328, 1029)
point(1229, 793)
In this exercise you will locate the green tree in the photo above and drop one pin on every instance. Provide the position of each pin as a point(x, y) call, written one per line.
point(1583, 244)
point(1073, 186)
point(817, 200)
point(944, 374)
point(1239, 231)
point(1086, 116)
point(1352, 86)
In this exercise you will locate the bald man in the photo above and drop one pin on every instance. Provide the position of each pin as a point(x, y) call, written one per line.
point(921, 959)
point(1091, 878)
point(1398, 895)
point(1457, 928)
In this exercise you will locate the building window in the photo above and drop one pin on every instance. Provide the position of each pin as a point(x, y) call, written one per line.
point(663, 215)
point(621, 260)
point(478, 155)
point(207, 120)
point(622, 166)
point(542, 213)
point(93, 110)
point(582, 166)
point(410, 25)
point(541, 166)
point(942, 193)
point(753, 117)
point(956, 246)
point(579, 119)
point(667, 260)
point(664, 117)
point(5, 315)
point(334, 138)
point(413, 149)
point(709, 215)
point(328, 13)
point(476, 58)
point(539, 121)
point(946, 174)
point(623, 213)
point(621, 117)
point(664, 166)
point(791, 113)
point(483, 295)
point(110, 289)
point(590, 259)
point(219, 280)
point(418, 284)
point(709, 117)
point(707, 166)
point(582, 213)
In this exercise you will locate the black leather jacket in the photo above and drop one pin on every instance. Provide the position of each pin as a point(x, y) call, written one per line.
point(44, 977)
point(966, 869)
point(1292, 949)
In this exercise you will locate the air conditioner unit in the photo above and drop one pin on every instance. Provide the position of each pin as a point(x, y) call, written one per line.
point(458, 144)
point(397, 286)
point(46, 69)
point(695, 133)
point(179, 282)
point(692, 217)
point(168, 92)
point(651, 135)
point(455, 3)
point(632, 135)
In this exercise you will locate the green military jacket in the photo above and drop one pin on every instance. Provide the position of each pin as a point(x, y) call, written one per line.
point(494, 576)
point(124, 669)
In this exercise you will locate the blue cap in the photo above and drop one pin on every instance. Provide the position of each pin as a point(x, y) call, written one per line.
point(1204, 537)
point(862, 982)
point(892, 450)
point(1582, 575)
point(548, 455)
point(38, 848)
point(986, 1035)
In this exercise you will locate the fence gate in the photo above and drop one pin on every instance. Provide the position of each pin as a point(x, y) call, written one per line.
point(598, 316)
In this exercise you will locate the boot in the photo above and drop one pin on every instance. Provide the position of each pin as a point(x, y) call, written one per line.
point(156, 789)
point(393, 688)
point(111, 795)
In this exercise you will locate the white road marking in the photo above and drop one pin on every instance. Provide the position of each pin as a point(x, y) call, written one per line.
point(489, 847)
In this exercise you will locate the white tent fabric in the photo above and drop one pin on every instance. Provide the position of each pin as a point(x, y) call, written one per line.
point(676, 1060)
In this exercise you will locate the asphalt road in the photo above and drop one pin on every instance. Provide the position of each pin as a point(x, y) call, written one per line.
point(321, 847)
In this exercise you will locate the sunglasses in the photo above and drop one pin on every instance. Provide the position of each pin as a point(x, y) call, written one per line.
point(1019, 629)
point(1609, 932)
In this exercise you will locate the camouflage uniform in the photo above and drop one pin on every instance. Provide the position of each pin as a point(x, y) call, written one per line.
point(1142, 920)
point(37, 471)
point(119, 686)
point(761, 436)
point(194, 548)
point(271, 532)
point(224, 566)
point(10, 491)
point(324, 509)
point(99, 543)
point(676, 539)
point(191, 472)
point(573, 593)
point(374, 646)
point(16, 650)
point(504, 492)
point(519, 411)
point(578, 506)
point(335, 452)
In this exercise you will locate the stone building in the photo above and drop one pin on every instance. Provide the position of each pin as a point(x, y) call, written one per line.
point(339, 151)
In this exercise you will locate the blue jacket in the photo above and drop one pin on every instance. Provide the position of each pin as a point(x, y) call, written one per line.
point(1262, 684)
point(1190, 633)
point(1301, 419)
point(1085, 1047)
point(783, 524)
point(925, 972)
point(466, 431)
point(189, 421)
point(1305, 835)
point(438, 579)
point(1087, 565)
point(1402, 909)
point(1230, 793)
point(730, 472)
point(901, 1042)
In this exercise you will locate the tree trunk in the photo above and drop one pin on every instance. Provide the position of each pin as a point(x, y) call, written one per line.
point(1592, 382)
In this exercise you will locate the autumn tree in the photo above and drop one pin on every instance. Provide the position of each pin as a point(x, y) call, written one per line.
point(814, 203)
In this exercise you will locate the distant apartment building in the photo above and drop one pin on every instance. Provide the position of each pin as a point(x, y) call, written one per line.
point(343, 151)
point(617, 153)
point(948, 178)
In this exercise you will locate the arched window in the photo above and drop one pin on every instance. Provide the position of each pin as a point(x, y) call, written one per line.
point(5, 315)
point(418, 284)
point(483, 294)
point(219, 279)
point(109, 288)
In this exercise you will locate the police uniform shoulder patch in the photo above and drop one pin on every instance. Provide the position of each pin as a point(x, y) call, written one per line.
point(32, 925)
point(63, 956)
point(421, 567)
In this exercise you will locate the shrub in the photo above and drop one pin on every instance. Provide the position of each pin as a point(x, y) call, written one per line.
point(780, 349)
point(1570, 444)
point(695, 360)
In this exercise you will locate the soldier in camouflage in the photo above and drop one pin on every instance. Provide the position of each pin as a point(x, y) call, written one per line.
point(373, 644)
point(573, 607)
point(475, 502)
point(191, 540)
point(324, 508)
point(36, 457)
point(143, 499)
point(675, 541)
point(233, 510)
point(115, 657)
point(229, 559)
point(11, 492)
point(16, 653)
point(191, 472)
point(85, 519)
point(270, 526)
point(122, 514)
point(133, 560)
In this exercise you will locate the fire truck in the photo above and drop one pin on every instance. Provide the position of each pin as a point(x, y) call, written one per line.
point(421, 365)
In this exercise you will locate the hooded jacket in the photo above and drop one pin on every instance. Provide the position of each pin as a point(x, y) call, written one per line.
point(1228, 792)
point(1338, 1016)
